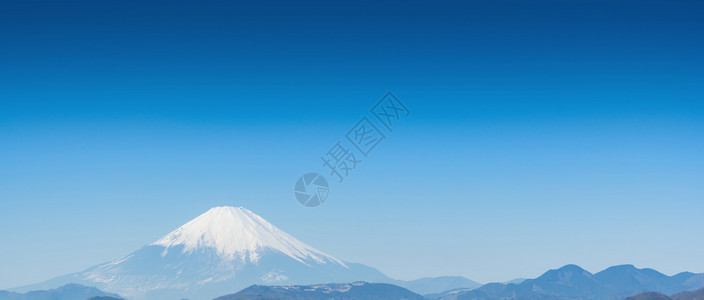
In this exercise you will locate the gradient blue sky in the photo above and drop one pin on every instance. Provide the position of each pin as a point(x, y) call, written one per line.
point(542, 133)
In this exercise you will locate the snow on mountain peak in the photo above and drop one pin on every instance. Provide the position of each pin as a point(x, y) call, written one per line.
point(239, 234)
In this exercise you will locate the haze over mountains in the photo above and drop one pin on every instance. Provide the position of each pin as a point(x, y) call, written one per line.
point(573, 282)
point(228, 249)
point(66, 292)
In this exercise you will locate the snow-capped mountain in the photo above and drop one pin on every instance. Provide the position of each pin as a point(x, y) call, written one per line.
point(219, 252)
point(239, 235)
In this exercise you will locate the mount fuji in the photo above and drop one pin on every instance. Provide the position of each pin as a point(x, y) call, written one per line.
point(221, 251)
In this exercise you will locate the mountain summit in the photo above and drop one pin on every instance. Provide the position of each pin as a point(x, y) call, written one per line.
point(219, 252)
point(239, 234)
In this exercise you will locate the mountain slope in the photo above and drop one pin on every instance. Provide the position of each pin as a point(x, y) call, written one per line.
point(223, 250)
point(344, 291)
point(686, 295)
point(649, 296)
point(690, 295)
point(626, 280)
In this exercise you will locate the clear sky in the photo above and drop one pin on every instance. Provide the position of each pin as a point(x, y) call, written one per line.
point(541, 133)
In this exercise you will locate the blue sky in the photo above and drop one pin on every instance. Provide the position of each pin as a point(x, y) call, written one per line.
point(541, 133)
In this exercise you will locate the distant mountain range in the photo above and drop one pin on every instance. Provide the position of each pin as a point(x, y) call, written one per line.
point(568, 282)
point(573, 282)
point(227, 249)
point(66, 292)
point(430, 285)
point(345, 291)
